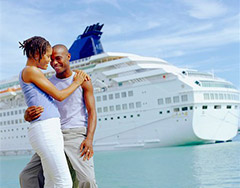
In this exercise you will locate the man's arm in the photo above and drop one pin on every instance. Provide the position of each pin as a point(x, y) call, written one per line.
point(87, 145)
point(33, 112)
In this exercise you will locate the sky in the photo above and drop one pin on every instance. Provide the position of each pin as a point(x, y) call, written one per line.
point(197, 34)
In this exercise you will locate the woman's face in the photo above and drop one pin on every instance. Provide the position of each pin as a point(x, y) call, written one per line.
point(46, 58)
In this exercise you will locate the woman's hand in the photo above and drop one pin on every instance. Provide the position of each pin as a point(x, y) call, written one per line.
point(79, 77)
point(87, 77)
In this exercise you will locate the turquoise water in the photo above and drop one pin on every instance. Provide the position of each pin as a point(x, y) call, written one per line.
point(200, 166)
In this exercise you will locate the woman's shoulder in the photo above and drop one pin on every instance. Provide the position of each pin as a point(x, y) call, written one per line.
point(30, 68)
point(30, 71)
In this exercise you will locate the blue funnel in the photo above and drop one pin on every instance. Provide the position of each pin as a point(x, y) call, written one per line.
point(88, 43)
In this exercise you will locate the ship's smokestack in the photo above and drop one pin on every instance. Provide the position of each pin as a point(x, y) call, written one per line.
point(88, 43)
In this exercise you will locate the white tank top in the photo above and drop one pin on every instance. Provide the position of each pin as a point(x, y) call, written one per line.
point(73, 112)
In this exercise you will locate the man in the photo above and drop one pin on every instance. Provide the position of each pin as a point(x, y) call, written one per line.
point(78, 123)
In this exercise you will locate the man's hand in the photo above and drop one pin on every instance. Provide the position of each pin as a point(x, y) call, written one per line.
point(32, 113)
point(85, 75)
point(86, 149)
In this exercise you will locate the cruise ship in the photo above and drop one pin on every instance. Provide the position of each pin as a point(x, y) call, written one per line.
point(141, 102)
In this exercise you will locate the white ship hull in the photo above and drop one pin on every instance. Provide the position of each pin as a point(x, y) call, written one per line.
point(183, 128)
point(152, 129)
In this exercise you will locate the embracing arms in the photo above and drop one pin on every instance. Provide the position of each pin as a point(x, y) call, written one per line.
point(33, 75)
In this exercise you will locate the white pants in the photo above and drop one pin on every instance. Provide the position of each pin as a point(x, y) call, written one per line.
point(46, 139)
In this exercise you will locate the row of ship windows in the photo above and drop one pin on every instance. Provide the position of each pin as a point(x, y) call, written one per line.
point(13, 137)
point(123, 107)
point(204, 107)
point(220, 96)
point(119, 107)
point(175, 99)
point(118, 117)
point(183, 109)
point(114, 96)
point(138, 115)
point(139, 105)
point(218, 107)
point(13, 112)
point(12, 122)
point(12, 130)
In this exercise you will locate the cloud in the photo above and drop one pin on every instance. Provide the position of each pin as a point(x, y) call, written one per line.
point(183, 40)
point(205, 9)
point(110, 2)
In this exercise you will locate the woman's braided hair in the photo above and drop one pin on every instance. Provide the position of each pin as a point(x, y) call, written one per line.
point(34, 45)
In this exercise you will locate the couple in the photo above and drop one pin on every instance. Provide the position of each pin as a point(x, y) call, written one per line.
point(73, 111)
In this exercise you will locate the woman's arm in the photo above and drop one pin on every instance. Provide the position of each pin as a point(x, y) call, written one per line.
point(33, 75)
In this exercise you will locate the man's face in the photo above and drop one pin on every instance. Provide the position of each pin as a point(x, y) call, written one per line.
point(60, 60)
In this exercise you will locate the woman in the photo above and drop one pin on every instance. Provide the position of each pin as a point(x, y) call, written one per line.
point(44, 133)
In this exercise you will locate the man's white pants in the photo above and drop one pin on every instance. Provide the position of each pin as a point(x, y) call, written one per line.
point(46, 139)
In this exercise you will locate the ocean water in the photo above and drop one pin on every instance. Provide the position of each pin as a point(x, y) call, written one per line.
point(199, 166)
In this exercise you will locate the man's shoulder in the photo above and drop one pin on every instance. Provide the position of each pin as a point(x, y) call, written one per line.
point(87, 85)
point(52, 78)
